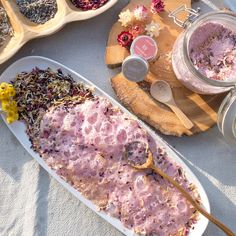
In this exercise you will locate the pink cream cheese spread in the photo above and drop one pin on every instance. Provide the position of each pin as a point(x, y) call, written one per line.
point(212, 49)
point(85, 144)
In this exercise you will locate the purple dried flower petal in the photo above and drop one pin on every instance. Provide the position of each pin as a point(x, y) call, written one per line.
point(86, 5)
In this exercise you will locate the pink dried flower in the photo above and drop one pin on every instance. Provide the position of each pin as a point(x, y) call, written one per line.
point(125, 39)
point(86, 5)
point(140, 13)
point(137, 30)
point(157, 6)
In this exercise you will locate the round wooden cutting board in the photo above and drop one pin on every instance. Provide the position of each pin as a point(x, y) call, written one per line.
point(202, 110)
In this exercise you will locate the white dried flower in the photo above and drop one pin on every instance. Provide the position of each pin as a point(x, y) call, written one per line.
point(140, 13)
point(153, 29)
point(126, 18)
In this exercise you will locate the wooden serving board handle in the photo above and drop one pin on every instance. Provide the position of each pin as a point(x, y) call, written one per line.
point(201, 110)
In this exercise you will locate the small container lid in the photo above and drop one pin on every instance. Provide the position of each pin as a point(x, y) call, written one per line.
point(135, 68)
point(145, 47)
point(227, 117)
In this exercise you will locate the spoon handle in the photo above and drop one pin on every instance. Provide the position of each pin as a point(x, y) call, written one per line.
point(184, 119)
point(196, 205)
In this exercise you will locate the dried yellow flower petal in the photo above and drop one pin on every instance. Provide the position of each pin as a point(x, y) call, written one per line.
point(2, 97)
point(11, 92)
point(10, 119)
point(10, 86)
point(10, 113)
point(13, 103)
point(5, 105)
point(16, 116)
point(3, 85)
point(9, 106)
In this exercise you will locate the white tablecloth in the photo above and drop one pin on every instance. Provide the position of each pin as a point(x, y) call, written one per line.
point(32, 203)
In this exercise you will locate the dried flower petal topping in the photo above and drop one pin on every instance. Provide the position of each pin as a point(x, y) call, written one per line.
point(126, 18)
point(125, 39)
point(86, 144)
point(157, 6)
point(153, 29)
point(140, 13)
point(86, 5)
point(38, 89)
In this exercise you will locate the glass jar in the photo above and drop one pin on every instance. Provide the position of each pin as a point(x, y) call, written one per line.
point(192, 78)
point(227, 117)
point(184, 68)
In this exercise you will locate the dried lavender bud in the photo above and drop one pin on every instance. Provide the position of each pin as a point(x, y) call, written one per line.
point(5, 27)
point(38, 11)
point(39, 89)
point(86, 5)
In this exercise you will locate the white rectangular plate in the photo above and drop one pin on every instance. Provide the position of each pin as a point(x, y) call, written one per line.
point(18, 129)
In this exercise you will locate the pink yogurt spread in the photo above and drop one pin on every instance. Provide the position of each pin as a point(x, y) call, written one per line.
point(212, 49)
point(85, 144)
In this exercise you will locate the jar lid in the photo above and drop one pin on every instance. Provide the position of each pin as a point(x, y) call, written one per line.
point(135, 68)
point(145, 47)
point(227, 117)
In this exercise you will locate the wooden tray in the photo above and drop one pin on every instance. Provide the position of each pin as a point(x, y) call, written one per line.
point(202, 110)
point(25, 30)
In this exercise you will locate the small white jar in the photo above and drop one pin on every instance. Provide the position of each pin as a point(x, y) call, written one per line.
point(145, 47)
point(135, 68)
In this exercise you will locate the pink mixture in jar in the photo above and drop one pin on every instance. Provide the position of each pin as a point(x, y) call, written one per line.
point(212, 49)
point(85, 144)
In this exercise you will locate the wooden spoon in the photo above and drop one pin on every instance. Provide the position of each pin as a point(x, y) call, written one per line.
point(161, 91)
point(149, 164)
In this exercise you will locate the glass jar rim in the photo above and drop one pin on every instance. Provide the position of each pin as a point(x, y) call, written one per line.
point(227, 117)
point(187, 35)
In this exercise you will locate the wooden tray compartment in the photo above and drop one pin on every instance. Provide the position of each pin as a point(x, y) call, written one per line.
point(14, 41)
point(25, 30)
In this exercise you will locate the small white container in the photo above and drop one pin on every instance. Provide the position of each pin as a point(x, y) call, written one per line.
point(135, 68)
point(145, 47)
